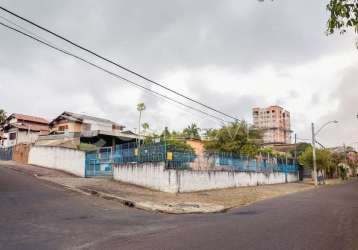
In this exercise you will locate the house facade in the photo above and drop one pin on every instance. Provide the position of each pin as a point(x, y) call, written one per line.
point(22, 129)
point(71, 129)
point(76, 124)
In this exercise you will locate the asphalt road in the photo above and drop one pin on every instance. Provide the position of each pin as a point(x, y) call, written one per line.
point(38, 215)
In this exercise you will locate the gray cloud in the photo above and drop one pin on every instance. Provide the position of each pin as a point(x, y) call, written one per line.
point(154, 38)
point(346, 131)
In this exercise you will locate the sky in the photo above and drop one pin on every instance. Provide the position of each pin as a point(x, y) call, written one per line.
point(230, 55)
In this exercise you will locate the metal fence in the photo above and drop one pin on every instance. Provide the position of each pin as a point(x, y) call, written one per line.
point(253, 164)
point(178, 158)
point(234, 162)
point(6, 154)
point(157, 152)
point(100, 163)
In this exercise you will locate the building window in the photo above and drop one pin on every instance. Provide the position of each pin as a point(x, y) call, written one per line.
point(62, 128)
point(12, 136)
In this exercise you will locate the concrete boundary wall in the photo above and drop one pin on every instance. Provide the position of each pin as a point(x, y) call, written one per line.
point(65, 159)
point(155, 176)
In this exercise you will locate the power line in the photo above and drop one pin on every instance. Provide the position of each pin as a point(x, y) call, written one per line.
point(116, 64)
point(26, 30)
point(43, 39)
point(109, 72)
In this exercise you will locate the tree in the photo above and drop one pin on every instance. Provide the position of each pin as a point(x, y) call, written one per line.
point(192, 131)
point(323, 159)
point(140, 108)
point(173, 143)
point(2, 116)
point(166, 133)
point(343, 15)
point(145, 127)
point(300, 148)
point(236, 138)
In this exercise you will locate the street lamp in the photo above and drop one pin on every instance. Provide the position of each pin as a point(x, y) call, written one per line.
point(314, 134)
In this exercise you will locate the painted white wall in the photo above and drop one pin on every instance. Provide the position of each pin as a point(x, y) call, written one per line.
point(155, 176)
point(65, 159)
point(151, 175)
point(22, 136)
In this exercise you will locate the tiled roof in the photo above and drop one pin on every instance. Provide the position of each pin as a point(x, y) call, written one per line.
point(29, 118)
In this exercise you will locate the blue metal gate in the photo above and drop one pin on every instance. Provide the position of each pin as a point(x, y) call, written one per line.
point(6, 154)
point(99, 163)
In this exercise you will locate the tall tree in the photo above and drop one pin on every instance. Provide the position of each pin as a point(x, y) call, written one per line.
point(140, 108)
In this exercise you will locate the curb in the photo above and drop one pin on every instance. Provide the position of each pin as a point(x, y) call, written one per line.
point(126, 202)
point(143, 205)
point(147, 206)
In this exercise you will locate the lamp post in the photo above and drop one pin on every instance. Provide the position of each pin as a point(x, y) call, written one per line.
point(314, 135)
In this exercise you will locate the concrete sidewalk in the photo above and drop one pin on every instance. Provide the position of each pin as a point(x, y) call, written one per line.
point(143, 198)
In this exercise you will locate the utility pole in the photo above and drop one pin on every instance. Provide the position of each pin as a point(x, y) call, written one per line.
point(314, 134)
point(314, 156)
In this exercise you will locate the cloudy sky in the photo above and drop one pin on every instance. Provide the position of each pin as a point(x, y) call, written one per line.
point(231, 55)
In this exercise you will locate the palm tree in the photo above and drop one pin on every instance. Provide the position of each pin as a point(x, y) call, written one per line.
point(145, 127)
point(140, 108)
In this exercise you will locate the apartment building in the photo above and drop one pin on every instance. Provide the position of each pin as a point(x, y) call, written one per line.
point(275, 123)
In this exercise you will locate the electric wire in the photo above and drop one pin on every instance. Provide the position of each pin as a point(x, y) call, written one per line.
point(109, 72)
point(116, 64)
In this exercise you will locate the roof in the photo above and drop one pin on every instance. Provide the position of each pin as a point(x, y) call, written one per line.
point(64, 142)
point(29, 118)
point(120, 135)
point(269, 107)
point(80, 117)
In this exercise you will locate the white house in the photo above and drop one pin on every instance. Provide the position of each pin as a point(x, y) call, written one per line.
point(19, 128)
